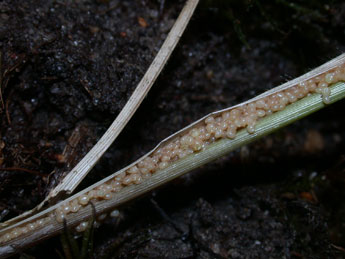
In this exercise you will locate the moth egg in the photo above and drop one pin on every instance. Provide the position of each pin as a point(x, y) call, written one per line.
point(260, 104)
point(284, 99)
point(275, 107)
point(231, 133)
point(226, 115)
point(197, 145)
point(223, 125)
point(120, 176)
point(127, 180)
point(280, 95)
point(174, 153)
point(155, 159)
point(186, 140)
point(169, 146)
point(133, 170)
point(251, 128)
point(203, 145)
point(218, 119)
point(317, 78)
point(83, 199)
point(209, 120)
point(151, 166)
point(336, 75)
point(101, 192)
point(136, 178)
point(115, 183)
point(82, 226)
point(195, 133)
point(92, 194)
point(149, 159)
point(326, 91)
point(15, 233)
point(144, 170)
point(39, 222)
point(339, 75)
point(271, 101)
point(165, 159)
point(301, 84)
point(252, 117)
point(292, 98)
point(212, 139)
point(163, 165)
point(31, 226)
point(141, 164)
point(234, 113)
point(207, 136)
point(312, 87)
point(218, 133)
point(281, 106)
point(294, 90)
point(117, 188)
point(311, 81)
point(177, 142)
point(326, 99)
point(158, 152)
point(232, 127)
point(202, 130)
point(240, 122)
point(305, 89)
point(182, 154)
point(66, 208)
point(24, 230)
point(300, 94)
point(108, 196)
point(145, 176)
point(329, 78)
point(108, 187)
point(59, 216)
point(114, 213)
point(260, 113)
point(251, 107)
point(322, 85)
point(166, 153)
point(75, 206)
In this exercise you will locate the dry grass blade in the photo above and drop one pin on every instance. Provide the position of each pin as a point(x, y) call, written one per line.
point(78, 173)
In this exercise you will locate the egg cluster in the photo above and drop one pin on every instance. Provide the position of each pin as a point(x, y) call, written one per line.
point(224, 125)
point(16, 232)
point(84, 225)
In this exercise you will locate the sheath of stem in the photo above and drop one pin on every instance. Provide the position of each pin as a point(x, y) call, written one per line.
point(265, 126)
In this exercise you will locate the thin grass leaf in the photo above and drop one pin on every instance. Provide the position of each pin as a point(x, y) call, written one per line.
point(87, 243)
point(71, 242)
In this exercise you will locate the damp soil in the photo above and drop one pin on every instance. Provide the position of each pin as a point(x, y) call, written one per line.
point(67, 69)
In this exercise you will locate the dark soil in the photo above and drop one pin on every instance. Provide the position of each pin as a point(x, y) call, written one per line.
point(67, 69)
